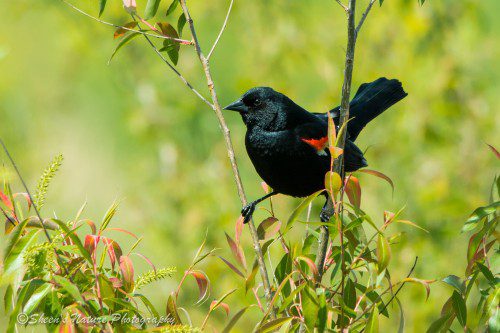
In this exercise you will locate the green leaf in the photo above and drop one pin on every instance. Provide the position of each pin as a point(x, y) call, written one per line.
point(372, 324)
point(323, 311)
point(151, 9)
point(383, 253)
point(36, 298)
point(69, 287)
point(310, 307)
point(234, 320)
point(172, 310)
point(421, 2)
point(273, 324)
point(455, 282)
point(401, 327)
point(171, 47)
point(14, 253)
point(289, 299)
point(181, 22)
point(460, 308)
point(283, 268)
point(333, 182)
point(250, 280)
point(439, 324)
point(350, 294)
point(380, 2)
point(74, 238)
point(122, 43)
point(102, 5)
point(487, 274)
point(303, 205)
point(478, 215)
point(172, 7)
point(11, 328)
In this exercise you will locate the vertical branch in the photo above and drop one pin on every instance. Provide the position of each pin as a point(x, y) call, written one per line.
point(230, 151)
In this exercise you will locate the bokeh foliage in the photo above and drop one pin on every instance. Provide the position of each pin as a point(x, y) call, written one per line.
point(130, 130)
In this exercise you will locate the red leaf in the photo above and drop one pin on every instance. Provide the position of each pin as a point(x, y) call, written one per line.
point(121, 31)
point(388, 217)
point(310, 263)
point(117, 283)
point(127, 269)
point(5, 199)
point(425, 283)
point(379, 175)
point(237, 252)
point(224, 305)
point(89, 223)
point(494, 150)
point(238, 229)
point(146, 259)
point(114, 250)
point(124, 231)
point(268, 228)
point(26, 197)
point(203, 283)
point(353, 191)
point(91, 242)
point(233, 268)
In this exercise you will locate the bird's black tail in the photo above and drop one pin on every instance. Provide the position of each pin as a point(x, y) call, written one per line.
point(371, 100)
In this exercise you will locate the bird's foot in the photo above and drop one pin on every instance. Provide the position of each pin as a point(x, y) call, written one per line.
point(325, 215)
point(247, 211)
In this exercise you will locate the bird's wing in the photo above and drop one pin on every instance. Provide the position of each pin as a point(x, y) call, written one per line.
point(315, 134)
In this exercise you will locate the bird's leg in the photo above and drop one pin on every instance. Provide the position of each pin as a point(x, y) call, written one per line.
point(248, 210)
point(326, 213)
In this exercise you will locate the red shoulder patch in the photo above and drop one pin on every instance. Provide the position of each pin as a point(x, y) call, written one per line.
point(318, 144)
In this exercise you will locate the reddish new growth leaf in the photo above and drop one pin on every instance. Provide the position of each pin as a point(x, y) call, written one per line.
point(215, 304)
point(238, 229)
point(26, 197)
point(233, 268)
point(5, 199)
point(203, 283)
point(311, 264)
point(124, 29)
point(127, 270)
point(494, 150)
point(90, 243)
point(379, 175)
point(237, 251)
point(114, 250)
point(268, 228)
point(353, 191)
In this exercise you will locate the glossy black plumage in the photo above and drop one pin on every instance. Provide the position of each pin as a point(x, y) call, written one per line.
point(286, 143)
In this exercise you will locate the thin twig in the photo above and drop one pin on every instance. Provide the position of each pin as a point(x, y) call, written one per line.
point(183, 79)
point(46, 232)
point(221, 30)
point(390, 300)
point(342, 5)
point(179, 40)
point(365, 14)
point(230, 151)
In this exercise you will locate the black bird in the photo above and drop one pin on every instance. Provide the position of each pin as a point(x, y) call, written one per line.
point(288, 145)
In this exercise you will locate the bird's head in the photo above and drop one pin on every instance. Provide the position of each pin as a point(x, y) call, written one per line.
point(263, 107)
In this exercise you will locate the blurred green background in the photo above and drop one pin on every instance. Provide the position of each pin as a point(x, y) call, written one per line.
point(132, 132)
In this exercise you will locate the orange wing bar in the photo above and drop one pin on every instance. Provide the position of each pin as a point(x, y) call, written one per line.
point(318, 144)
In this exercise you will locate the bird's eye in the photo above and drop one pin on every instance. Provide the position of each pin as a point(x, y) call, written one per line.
point(257, 102)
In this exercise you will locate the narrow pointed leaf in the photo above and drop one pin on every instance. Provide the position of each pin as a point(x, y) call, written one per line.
point(151, 9)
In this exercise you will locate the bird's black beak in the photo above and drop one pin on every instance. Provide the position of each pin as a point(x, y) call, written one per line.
point(237, 106)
